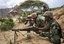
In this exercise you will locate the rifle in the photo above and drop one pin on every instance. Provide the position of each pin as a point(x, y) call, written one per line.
point(28, 29)
point(28, 19)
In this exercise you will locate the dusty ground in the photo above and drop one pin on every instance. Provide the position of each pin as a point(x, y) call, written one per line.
point(8, 37)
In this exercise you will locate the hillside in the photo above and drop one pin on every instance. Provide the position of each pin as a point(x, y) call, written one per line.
point(59, 16)
point(7, 37)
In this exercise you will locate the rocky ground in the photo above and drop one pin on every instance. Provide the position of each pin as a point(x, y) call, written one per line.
point(7, 37)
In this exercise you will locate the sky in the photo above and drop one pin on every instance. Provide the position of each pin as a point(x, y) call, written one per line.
point(12, 3)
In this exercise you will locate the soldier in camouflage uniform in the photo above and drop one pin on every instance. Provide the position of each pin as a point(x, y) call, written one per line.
point(38, 19)
point(52, 29)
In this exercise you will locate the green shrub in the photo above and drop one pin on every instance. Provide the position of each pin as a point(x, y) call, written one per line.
point(2, 19)
point(7, 25)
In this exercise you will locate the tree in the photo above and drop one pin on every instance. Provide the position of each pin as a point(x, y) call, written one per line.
point(31, 4)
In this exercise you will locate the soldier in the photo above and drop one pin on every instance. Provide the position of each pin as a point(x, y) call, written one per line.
point(45, 7)
point(52, 29)
point(38, 19)
point(38, 16)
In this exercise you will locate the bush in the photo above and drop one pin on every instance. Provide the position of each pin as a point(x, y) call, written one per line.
point(7, 25)
point(2, 19)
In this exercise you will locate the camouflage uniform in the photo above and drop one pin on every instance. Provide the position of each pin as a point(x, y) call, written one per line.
point(39, 20)
point(54, 32)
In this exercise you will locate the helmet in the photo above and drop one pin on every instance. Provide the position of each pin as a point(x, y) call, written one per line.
point(49, 14)
point(34, 15)
point(45, 7)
